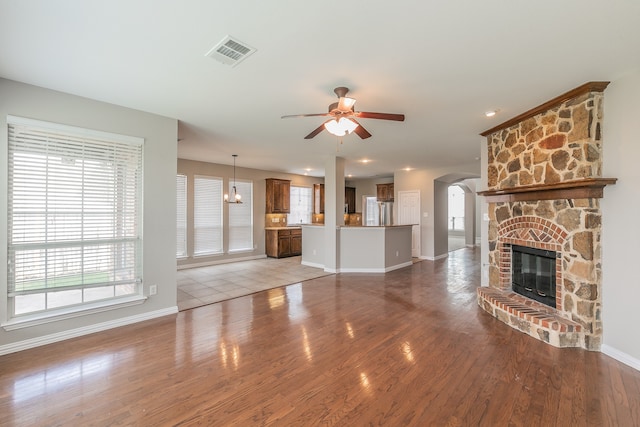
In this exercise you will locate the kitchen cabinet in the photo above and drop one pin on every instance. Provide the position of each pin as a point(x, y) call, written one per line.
point(318, 199)
point(278, 196)
point(350, 199)
point(283, 242)
point(385, 192)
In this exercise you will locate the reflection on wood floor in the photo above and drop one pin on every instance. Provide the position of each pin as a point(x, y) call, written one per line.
point(410, 347)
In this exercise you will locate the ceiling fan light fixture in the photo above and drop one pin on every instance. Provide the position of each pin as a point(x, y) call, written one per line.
point(346, 104)
point(340, 127)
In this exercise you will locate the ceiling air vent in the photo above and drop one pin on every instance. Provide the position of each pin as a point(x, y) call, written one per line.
point(230, 51)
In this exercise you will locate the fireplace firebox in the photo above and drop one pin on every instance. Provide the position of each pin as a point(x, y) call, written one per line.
point(533, 273)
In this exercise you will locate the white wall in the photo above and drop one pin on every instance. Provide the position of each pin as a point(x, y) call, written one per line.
point(433, 184)
point(160, 135)
point(483, 207)
point(620, 224)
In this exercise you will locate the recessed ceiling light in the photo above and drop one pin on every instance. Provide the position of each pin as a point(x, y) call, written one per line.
point(490, 113)
point(408, 169)
point(349, 176)
point(365, 161)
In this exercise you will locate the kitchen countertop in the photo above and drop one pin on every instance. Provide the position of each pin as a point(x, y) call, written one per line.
point(285, 227)
point(360, 226)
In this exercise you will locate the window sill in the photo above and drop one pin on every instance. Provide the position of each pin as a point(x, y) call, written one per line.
point(69, 313)
point(207, 255)
point(239, 251)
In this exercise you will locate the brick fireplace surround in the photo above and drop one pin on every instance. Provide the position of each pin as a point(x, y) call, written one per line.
point(544, 185)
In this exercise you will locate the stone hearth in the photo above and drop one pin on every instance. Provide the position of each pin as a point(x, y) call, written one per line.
point(544, 185)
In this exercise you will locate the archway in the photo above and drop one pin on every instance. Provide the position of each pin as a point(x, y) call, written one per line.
point(468, 183)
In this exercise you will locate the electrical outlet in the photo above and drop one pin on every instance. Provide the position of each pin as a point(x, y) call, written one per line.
point(153, 289)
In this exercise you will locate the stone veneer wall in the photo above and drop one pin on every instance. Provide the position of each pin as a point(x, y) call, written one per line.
point(560, 144)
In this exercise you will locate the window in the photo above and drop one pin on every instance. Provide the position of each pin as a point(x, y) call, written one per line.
point(241, 218)
point(207, 215)
point(74, 217)
point(372, 211)
point(301, 205)
point(181, 216)
point(456, 208)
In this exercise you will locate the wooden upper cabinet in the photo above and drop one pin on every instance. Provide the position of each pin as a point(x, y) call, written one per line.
point(385, 192)
point(278, 195)
point(350, 199)
point(318, 199)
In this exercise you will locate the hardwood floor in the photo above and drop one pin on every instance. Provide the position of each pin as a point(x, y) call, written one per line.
point(410, 347)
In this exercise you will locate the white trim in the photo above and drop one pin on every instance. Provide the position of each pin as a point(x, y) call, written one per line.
point(86, 330)
point(313, 264)
point(621, 356)
point(376, 270)
point(76, 131)
point(362, 270)
point(28, 321)
point(222, 261)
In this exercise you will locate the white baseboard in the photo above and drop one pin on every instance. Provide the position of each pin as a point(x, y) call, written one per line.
point(312, 264)
point(358, 270)
point(85, 330)
point(621, 356)
point(431, 258)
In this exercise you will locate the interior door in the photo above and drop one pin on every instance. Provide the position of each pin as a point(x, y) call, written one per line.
point(409, 213)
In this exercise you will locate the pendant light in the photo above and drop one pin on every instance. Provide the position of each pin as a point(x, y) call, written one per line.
point(236, 198)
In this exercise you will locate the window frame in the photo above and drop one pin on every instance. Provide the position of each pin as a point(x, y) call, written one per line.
point(218, 205)
point(48, 143)
point(182, 197)
point(308, 215)
point(246, 191)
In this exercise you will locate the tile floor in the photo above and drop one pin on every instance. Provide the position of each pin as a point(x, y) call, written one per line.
point(206, 285)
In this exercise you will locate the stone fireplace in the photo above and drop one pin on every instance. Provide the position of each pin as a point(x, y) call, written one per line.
point(544, 190)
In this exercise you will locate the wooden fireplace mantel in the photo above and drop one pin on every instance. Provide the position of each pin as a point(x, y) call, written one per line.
point(578, 189)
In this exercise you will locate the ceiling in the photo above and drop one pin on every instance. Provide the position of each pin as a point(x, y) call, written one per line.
point(442, 64)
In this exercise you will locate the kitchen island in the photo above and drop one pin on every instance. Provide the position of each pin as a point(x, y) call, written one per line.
point(361, 249)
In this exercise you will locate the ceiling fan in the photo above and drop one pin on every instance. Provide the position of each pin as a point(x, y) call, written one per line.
point(343, 117)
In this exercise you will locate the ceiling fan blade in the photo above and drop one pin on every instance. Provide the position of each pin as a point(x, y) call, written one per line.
point(305, 115)
point(360, 131)
point(381, 116)
point(316, 131)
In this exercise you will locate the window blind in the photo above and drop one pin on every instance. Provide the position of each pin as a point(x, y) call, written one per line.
point(241, 218)
point(74, 215)
point(181, 216)
point(207, 215)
